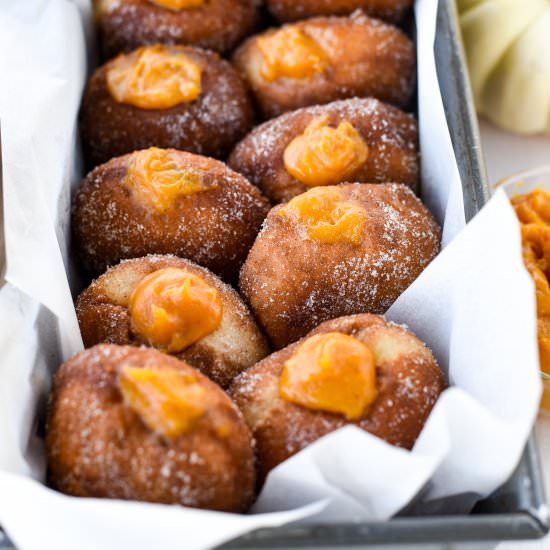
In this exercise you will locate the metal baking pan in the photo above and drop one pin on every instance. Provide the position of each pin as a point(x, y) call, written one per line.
point(515, 511)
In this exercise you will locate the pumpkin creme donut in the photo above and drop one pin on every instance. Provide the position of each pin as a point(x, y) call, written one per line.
point(292, 10)
point(327, 58)
point(163, 201)
point(137, 424)
point(175, 306)
point(218, 25)
point(164, 96)
point(357, 370)
point(333, 251)
point(360, 140)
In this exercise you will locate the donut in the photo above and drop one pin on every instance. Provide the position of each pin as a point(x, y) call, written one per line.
point(218, 25)
point(137, 424)
point(163, 201)
point(177, 307)
point(164, 96)
point(327, 58)
point(334, 251)
point(360, 140)
point(356, 370)
point(387, 10)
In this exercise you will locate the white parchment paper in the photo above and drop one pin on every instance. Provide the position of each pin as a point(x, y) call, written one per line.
point(474, 306)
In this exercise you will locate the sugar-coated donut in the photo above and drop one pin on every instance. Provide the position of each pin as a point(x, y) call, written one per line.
point(218, 25)
point(327, 58)
point(292, 10)
point(163, 201)
point(136, 424)
point(176, 306)
point(357, 370)
point(333, 251)
point(164, 96)
point(360, 140)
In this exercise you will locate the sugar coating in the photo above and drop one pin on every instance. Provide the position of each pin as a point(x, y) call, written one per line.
point(210, 125)
point(290, 10)
point(216, 24)
point(365, 57)
point(235, 345)
point(390, 134)
point(294, 283)
point(215, 227)
point(408, 382)
point(97, 446)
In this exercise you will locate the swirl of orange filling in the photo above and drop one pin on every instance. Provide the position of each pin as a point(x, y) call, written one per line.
point(533, 212)
point(169, 402)
point(159, 176)
point(172, 308)
point(325, 156)
point(290, 52)
point(332, 372)
point(327, 216)
point(177, 5)
point(154, 77)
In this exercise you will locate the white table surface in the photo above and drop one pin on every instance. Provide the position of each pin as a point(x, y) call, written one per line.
point(507, 154)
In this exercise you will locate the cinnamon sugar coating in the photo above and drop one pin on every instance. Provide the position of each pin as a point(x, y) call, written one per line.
point(99, 447)
point(364, 57)
point(209, 125)
point(390, 134)
point(103, 315)
point(218, 25)
point(292, 283)
point(214, 227)
point(408, 383)
point(292, 10)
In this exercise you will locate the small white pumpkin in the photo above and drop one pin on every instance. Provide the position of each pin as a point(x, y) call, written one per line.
point(508, 49)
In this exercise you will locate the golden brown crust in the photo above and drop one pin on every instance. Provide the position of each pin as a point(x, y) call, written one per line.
point(215, 227)
point(103, 315)
point(291, 10)
point(217, 25)
point(408, 381)
point(391, 136)
point(98, 447)
point(365, 58)
point(293, 283)
point(210, 125)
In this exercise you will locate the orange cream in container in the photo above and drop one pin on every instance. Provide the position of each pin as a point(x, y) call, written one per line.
point(533, 212)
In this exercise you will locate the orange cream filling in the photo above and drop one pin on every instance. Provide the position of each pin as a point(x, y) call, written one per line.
point(323, 155)
point(177, 5)
point(158, 177)
point(168, 402)
point(154, 77)
point(331, 372)
point(533, 212)
point(172, 309)
point(290, 52)
point(327, 216)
